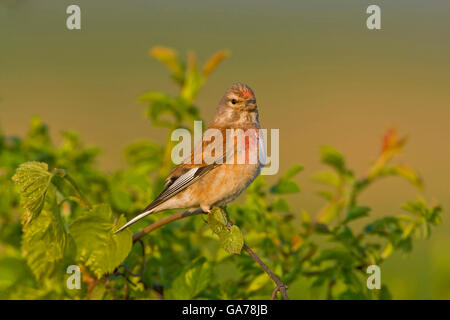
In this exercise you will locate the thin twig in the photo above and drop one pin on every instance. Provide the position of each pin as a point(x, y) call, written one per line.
point(144, 262)
point(143, 266)
point(160, 223)
point(280, 285)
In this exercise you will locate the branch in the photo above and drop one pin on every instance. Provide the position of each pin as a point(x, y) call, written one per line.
point(160, 223)
point(280, 285)
point(128, 270)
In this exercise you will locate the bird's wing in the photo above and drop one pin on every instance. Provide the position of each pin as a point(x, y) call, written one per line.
point(176, 183)
point(189, 172)
point(179, 179)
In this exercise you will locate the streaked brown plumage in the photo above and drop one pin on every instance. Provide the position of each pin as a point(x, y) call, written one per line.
point(203, 185)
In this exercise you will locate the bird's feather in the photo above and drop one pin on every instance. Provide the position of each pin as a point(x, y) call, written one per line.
point(181, 177)
point(174, 186)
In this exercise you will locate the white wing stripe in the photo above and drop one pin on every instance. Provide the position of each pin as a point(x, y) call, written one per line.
point(182, 179)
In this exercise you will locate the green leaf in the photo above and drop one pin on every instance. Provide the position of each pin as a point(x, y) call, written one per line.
point(73, 154)
point(331, 211)
point(284, 187)
point(387, 251)
point(33, 180)
point(328, 196)
point(421, 209)
point(191, 282)
point(258, 282)
point(329, 178)
point(280, 205)
point(356, 213)
point(120, 198)
point(44, 243)
point(38, 135)
point(170, 59)
point(293, 171)
point(97, 246)
point(333, 158)
point(385, 293)
point(193, 80)
point(217, 221)
point(286, 184)
point(306, 218)
point(381, 225)
point(143, 152)
point(408, 230)
point(404, 172)
point(161, 104)
point(231, 239)
point(345, 235)
point(12, 271)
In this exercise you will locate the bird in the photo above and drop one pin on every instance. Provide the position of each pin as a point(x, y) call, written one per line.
point(201, 185)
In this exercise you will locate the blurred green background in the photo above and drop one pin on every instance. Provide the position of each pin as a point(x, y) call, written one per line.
point(319, 74)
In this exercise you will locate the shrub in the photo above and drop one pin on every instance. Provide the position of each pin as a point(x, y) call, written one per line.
point(57, 208)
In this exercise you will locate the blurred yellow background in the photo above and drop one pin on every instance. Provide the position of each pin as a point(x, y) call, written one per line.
point(319, 74)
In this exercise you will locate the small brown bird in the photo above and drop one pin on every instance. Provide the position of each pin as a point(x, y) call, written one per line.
point(203, 185)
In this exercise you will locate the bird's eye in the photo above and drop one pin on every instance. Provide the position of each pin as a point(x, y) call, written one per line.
point(233, 101)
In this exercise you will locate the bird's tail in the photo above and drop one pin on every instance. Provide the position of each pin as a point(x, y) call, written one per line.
point(138, 217)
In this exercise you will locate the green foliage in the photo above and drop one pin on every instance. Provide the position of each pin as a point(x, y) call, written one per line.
point(70, 209)
point(333, 158)
point(191, 281)
point(230, 237)
point(44, 242)
point(190, 80)
point(97, 246)
point(33, 179)
point(356, 213)
point(286, 184)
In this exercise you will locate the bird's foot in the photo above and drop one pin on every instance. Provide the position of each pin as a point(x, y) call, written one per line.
point(205, 208)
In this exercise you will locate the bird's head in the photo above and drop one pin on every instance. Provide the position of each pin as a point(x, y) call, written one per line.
point(240, 97)
point(238, 104)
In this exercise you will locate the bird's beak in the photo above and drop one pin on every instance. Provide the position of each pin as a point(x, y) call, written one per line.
point(250, 104)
